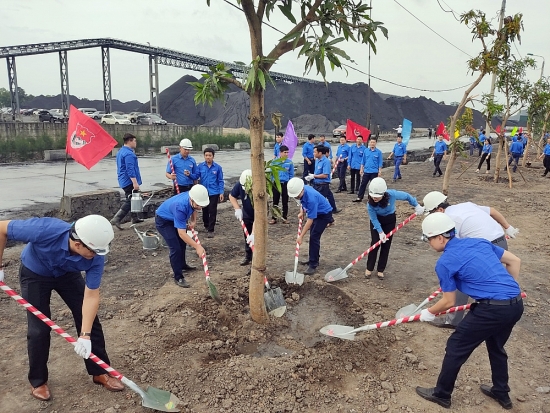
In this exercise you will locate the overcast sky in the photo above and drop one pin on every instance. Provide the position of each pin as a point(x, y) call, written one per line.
point(412, 56)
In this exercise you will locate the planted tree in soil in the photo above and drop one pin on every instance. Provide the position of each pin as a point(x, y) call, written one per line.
point(318, 26)
point(495, 46)
point(538, 113)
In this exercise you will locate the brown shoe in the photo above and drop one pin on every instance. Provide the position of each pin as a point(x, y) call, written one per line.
point(41, 392)
point(110, 383)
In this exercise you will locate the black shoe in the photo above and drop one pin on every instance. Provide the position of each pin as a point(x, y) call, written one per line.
point(428, 394)
point(245, 261)
point(182, 283)
point(310, 271)
point(351, 192)
point(357, 200)
point(210, 234)
point(541, 175)
point(336, 211)
point(188, 267)
point(487, 391)
point(338, 191)
point(304, 262)
point(441, 324)
point(398, 177)
point(433, 175)
point(249, 271)
point(136, 220)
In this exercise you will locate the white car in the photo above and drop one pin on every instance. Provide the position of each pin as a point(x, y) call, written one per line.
point(112, 119)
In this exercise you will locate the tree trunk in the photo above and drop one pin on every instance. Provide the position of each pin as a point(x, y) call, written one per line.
point(258, 311)
point(526, 153)
point(541, 141)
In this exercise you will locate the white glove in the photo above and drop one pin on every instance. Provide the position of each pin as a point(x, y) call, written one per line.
point(239, 214)
point(83, 347)
point(426, 315)
point(309, 177)
point(382, 237)
point(511, 231)
point(2, 275)
point(419, 210)
point(250, 239)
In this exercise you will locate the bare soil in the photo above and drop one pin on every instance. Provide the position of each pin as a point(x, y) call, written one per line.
point(215, 359)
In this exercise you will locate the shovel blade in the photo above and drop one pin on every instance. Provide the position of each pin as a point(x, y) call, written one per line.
point(289, 277)
point(299, 278)
point(275, 302)
point(335, 275)
point(334, 330)
point(407, 311)
point(160, 400)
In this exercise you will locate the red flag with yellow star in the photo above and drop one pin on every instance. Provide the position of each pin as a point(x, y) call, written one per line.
point(87, 142)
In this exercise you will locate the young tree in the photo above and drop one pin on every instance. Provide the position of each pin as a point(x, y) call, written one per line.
point(495, 47)
point(538, 113)
point(318, 26)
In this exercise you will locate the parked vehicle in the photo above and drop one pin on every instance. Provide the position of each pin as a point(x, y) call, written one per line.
point(88, 111)
point(97, 115)
point(51, 116)
point(339, 131)
point(150, 120)
point(133, 116)
point(113, 119)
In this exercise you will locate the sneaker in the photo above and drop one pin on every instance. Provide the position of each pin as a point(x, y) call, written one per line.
point(367, 274)
point(357, 200)
point(182, 283)
point(487, 390)
point(428, 394)
point(477, 171)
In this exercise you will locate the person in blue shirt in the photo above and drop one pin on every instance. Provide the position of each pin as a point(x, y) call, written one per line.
point(473, 144)
point(172, 218)
point(399, 152)
point(307, 154)
point(278, 143)
point(322, 176)
point(211, 177)
point(129, 178)
point(481, 142)
point(246, 213)
point(55, 254)
point(546, 155)
point(284, 177)
point(323, 141)
point(440, 151)
point(319, 215)
point(342, 156)
point(516, 150)
point(381, 209)
point(354, 164)
point(185, 173)
point(371, 167)
point(474, 267)
point(487, 150)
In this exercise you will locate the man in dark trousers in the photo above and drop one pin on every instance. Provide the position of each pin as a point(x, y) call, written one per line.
point(371, 167)
point(322, 176)
point(307, 154)
point(211, 177)
point(246, 213)
point(342, 155)
point(185, 171)
point(354, 164)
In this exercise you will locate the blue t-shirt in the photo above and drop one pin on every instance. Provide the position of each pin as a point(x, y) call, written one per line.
point(399, 149)
point(180, 165)
point(372, 160)
point(127, 167)
point(343, 152)
point(307, 150)
point(356, 156)
point(482, 138)
point(277, 149)
point(47, 252)
point(375, 211)
point(487, 148)
point(322, 166)
point(178, 209)
point(211, 178)
point(327, 145)
point(440, 147)
point(239, 193)
point(284, 176)
point(314, 203)
point(472, 266)
point(547, 149)
point(516, 147)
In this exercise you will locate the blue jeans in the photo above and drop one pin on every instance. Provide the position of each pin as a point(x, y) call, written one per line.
point(315, 232)
point(397, 172)
point(175, 244)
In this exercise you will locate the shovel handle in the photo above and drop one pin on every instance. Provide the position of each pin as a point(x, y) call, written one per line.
point(246, 233)
point(204, 263)
point(24, 303)
point(336, 164)
point(297, 252)
point(173, 170)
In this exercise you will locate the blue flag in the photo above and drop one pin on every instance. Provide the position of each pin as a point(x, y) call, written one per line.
point(406, 131)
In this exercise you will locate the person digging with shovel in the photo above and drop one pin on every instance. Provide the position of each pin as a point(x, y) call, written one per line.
point(474, 267)
point(246, 214)
point(55, 254)
point(319, 215)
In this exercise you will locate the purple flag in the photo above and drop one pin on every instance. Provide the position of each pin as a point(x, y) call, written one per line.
point(290, 139)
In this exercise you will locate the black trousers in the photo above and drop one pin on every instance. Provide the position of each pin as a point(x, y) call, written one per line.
point(176, 245)
point(248, 223)
point(277, 197)
point(485, 158)
point(210, 212)
point(308, 169)
point(182, 188)
point(546, 163)
point(487, 323)
point(127, 202)
point(341, 169)
point(355, 176)
point(437, 162)
point(315, 232)
point(388, 223)
point(37, 290)
point(367, 177)
point(324, 189)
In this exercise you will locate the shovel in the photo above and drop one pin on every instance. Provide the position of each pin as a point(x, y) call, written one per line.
point(340, 273)
point(211, 287)
point(152, 398)
point(412, 309)
point(274, 300)
point(294, 277)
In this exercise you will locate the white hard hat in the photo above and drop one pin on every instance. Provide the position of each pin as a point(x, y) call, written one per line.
point(377, 187)
point(294, 187)
point(399, 125)
point(433, 199)
point(95, 232)
point(186, 144)
point(199, 194)
point(436, 224)
point(244, 175)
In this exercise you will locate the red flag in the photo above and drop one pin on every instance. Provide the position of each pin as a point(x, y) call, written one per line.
point(520, 129)
point(87, 142)
point(353, 130)
point(497, 130)
point(441, 131)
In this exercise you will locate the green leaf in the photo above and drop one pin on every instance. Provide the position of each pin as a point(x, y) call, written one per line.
point(261, 78)
point(286, 9)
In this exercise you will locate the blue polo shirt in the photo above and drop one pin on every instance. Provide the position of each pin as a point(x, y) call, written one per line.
point(239, 193)
point(47, 252)
point(472, 266)
point(127, 167)
point(322, 166)
point(327, 145)
point(399, 149)
point(516, 147)
point(211, 177)
point(441, 147)
point(356, 156)
point(482, 138)
point(178, 209)
point(472, 140)
point(314, 203)
point(547, 149)
point(343, 152)
point(372, 160)
point(284, 176)
point(180, 165)
point(375, 211)
point(487, 148)
point(307, 150)
point(277, 149)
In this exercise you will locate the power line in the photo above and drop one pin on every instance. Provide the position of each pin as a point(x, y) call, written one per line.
point(448, 11)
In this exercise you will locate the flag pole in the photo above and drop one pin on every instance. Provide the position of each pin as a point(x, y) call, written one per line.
point(65, 173)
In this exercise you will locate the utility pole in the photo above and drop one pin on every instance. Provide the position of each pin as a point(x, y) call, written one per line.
point(368, 92)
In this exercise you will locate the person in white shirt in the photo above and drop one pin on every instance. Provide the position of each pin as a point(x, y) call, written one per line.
point(399, 129)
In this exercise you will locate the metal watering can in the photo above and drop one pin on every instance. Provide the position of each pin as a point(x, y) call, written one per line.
point(150, 239)
point(136, 201)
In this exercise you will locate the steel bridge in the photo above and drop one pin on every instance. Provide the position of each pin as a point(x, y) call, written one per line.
point(157, 55)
